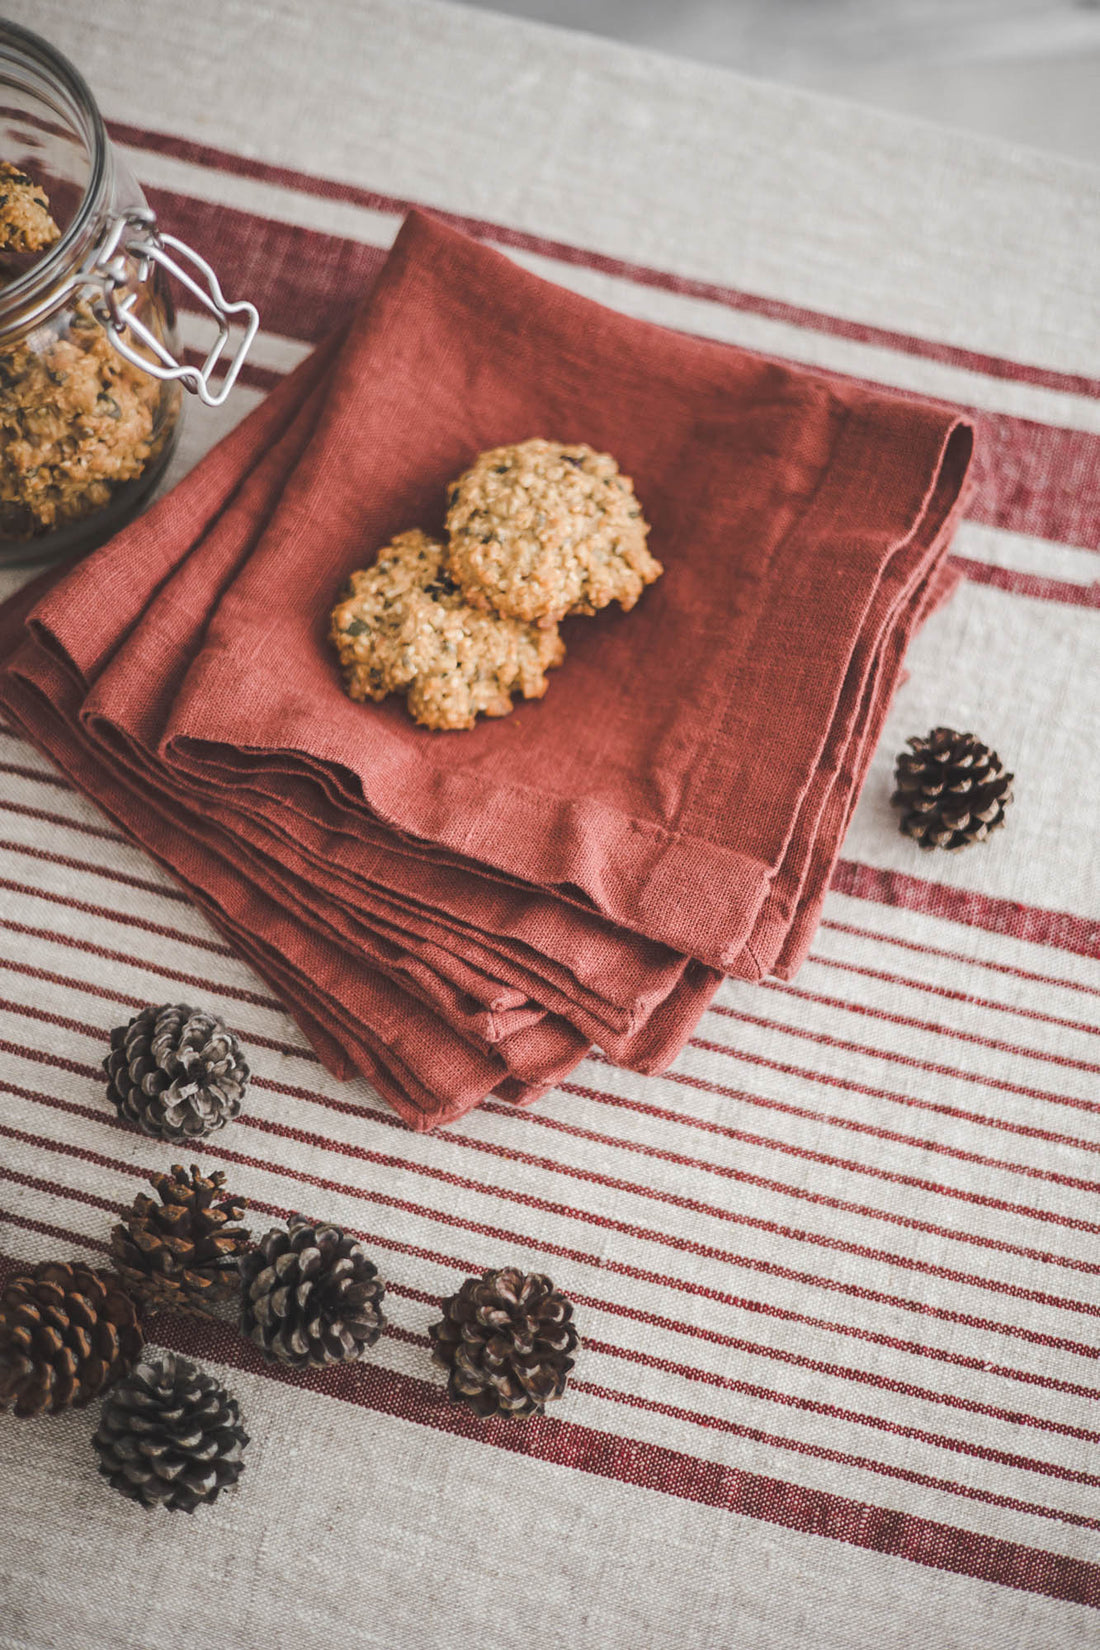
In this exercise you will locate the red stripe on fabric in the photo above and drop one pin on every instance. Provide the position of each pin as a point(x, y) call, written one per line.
point(74, 1194)
point(591, 1177)
point(871, 1378)
point(756, 1223)
point(123, 917)
point(543, 1247)
point(919, 1540)
point(683, 1285)
point(276, 1044)
point(867, 1011)
point(85, 1029)
point(528, 1200)
point(690, 1372)
point(837, 1412)
point(1060, 929)
point(1036, 585)
point(43, 1057)
point(30, 1011)
point(846, 1372)
point(50, 818)
point(237, 993)
point(37, 774)
point(891, 1056)
point(1026, 1130)
point(981, 1200)
point(948, 992)
point(303, 281)
point(720, 1423)
point(222, 160)
point(853, 1165)
point(43, 1228)
point(70, 864)
point(1042, 1256)
point(909, 1222)
point(182, 1334)
point(928, 950)
point(856, 1126)
point(844, 1458)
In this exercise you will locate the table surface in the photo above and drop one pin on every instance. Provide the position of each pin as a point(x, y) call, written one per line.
point(836, 1272)
point(1021, 70)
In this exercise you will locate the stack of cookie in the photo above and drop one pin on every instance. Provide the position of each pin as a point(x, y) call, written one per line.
point(535, 531)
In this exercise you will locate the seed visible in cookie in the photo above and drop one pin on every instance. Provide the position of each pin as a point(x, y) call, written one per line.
point(538, 530)
point(25, 222)
point(404, 627)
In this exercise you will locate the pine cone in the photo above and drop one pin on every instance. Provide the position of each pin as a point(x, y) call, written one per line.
point(176, 1072)
point(170, 1436)
point(952, 788)
point(66, 1332)
point(506, 1339)
point(310, 1296)
point(181, 1254)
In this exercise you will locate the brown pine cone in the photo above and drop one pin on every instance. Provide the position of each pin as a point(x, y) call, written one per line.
point(506, 1339)
point(67, 1331)
point(170, 1436)
point(952, 790)
point(176, 1072)
point(181, 1254)
point(310, 1296)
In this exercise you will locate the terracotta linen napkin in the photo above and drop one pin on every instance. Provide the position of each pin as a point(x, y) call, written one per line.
point(126, 723)
point(663, 778)
point(444, 977)
point(136, 680)
point(376, 1030)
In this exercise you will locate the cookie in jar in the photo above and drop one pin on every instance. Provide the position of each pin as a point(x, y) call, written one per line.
point(91, 377)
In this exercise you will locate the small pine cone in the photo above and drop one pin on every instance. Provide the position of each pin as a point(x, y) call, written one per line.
point(182, 1253)
point(506, 1339)
point(176, 1072)
point(170, 1436)
point(310, 1296)
point(66, 1332)
point(952, 790)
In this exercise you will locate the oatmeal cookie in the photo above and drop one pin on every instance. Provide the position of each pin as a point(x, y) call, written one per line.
point(25, 222)
point(404, 628)
point(76, 420)
point(538, 530)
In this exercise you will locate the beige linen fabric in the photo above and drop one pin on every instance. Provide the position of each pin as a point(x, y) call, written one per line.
point(847, 1247)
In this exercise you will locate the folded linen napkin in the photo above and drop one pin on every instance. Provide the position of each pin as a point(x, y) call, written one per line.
point(461, 914)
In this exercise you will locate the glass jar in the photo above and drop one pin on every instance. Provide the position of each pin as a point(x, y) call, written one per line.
point(90, 375)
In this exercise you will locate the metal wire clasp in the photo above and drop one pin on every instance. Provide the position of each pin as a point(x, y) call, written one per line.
point(135, 235)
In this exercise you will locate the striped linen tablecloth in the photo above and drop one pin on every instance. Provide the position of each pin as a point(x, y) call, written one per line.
point(837, 1271)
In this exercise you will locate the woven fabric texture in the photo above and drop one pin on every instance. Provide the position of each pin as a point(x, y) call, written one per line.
point(834, 1271)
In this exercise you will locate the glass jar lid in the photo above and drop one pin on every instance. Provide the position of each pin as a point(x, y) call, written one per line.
point(105, 254)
